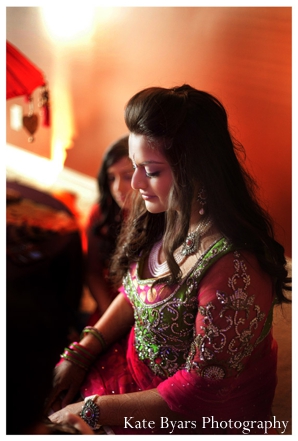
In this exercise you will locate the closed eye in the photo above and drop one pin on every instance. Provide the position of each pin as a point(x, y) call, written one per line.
point(152, 175)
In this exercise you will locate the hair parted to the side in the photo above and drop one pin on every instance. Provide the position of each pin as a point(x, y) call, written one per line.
point(190, 128)
point(109, 209)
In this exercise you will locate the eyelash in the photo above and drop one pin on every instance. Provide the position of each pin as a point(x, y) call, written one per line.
point(152, 175)
point(149, 175)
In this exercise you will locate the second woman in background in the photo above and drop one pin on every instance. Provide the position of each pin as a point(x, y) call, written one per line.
point(104, 222)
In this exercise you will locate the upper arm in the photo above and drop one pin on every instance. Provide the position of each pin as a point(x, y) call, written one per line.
point(234, 300)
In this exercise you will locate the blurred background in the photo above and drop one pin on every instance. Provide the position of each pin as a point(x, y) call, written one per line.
point(95, 58)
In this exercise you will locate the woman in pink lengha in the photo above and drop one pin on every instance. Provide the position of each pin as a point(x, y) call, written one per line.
point(200, 273)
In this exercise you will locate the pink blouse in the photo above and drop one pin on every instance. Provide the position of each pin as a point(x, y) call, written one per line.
point(206, 345)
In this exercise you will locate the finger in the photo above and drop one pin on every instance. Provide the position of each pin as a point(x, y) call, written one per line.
point(78, 424)
point(56, 418)
point(69, 396)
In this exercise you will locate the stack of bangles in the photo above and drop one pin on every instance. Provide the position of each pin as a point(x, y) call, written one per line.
point(78, 354)
point(96, 333)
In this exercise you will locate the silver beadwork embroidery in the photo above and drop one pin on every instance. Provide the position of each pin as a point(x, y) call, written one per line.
point(236, 310)
point(164, 330)
point(213, 373)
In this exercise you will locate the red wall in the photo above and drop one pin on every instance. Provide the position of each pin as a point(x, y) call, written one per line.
point(241, 55)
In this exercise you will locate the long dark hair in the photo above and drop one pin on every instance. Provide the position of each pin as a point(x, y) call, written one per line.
point(110, 220)
point(190, 128)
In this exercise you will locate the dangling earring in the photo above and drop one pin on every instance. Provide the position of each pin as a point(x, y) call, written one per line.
point(202, 198)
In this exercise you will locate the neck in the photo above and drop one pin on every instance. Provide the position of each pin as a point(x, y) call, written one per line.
point(197, 221)
point(196, 218)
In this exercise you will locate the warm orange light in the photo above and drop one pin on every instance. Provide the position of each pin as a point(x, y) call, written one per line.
point(30, 166)
point(64, 24)
point(62, 122)
point(67, 28)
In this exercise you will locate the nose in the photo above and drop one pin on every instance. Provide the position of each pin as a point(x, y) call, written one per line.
point(137, 180)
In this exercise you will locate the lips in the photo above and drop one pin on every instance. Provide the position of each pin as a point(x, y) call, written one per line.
point(146, 197)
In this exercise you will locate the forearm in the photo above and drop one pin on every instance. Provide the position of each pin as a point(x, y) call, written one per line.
point(127, 411)
point(114, 324)
point(116, 410)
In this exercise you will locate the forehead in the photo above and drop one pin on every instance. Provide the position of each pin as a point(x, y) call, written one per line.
point(122, 165)
point(142, 152)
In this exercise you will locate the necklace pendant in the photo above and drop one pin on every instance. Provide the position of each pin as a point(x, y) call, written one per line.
point(191, 244)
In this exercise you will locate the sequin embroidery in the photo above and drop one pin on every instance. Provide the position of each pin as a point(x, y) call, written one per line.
point(241, 318)
point(164, 330)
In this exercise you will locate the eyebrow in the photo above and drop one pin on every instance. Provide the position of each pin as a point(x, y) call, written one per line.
point(148, 162)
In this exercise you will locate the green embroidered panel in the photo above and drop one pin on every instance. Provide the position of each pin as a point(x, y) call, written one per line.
point(164, 330)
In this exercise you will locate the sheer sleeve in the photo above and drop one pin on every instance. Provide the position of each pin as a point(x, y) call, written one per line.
point(232, 354)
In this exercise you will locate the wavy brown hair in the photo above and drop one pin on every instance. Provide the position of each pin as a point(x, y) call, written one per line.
point(190, 128)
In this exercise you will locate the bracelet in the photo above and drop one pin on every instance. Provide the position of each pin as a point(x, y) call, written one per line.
point(82, 351)
point(90, 412)
point(96, 333)
point(72, 360)
point(78, 355)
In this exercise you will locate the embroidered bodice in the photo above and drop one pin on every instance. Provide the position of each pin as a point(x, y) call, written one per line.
point(165, 319)
point(210, 330)
point(205, 344)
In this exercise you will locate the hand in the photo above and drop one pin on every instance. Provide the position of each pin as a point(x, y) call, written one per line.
point(68, 378)
point(78, 423)
point(62, 415)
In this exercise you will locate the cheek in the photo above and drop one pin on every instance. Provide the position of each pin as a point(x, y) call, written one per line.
point(112, 189)
point(127, 186)
point(167, 188)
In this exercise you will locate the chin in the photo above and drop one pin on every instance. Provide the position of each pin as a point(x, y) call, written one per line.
point(154, 208)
